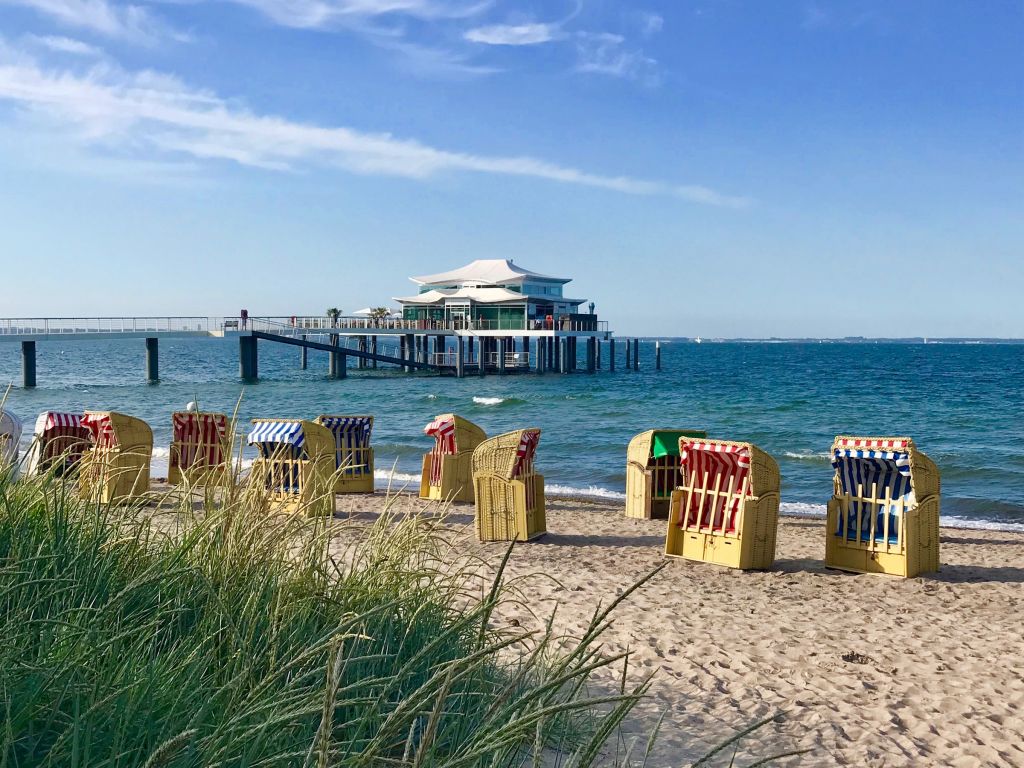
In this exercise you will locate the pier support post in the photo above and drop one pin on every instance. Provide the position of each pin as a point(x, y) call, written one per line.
point(611, 354)
point(556, 354)
point(485, 344)
point(402, 351)
point(636, 354)
point(340, 365)
point(563, 355)
point(629, 346)
point(152, 360)
point(373, 348)
point(539, 359)
point(591, 361)
point(460, 362)
point(573, 350)
point(362, 348)
point(549, 353)
point(28, 364)
point(657, 355)
point(303, 355)
point(502, 349)
point(248, 358)
point(597, 353)
point(410, 352)
point(440, 348)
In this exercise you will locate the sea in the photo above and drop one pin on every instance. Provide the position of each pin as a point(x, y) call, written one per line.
point(963, 404)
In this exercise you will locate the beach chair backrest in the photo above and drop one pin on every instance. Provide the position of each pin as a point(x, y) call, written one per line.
point(452, 435)
point(101, 429)
point(351, 442)
point(199, 439)
point(663, 459)
point(875, 476)
point(717, 476)
point(10, 436)
point(509, 455)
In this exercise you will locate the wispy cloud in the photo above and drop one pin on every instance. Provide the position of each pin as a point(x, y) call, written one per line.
point(68, 45)
point(319, 14)
point(604, 53)
point(153, 116)
point(514, 34)
point(130, 22)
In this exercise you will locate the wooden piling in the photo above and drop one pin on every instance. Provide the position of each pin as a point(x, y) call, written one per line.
point(611, 355)
point(636, 354)
point(248, 358)
point(152, 360)
point(303, 355)
point(657, 355)
point(591, 357)
point(460, 362)
point(28, 364)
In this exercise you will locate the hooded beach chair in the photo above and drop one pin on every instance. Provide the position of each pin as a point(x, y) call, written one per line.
point(116, 466)
point(652, 471)
point(448, 466)
point(726, 508)
point(200, 448)
point(294, 466)
point(884, 514)
point(58, 444)
point(10, 437)
point(353, 455)
point(508, 491)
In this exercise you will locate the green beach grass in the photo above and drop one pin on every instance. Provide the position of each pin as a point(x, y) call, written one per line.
point(128, 639)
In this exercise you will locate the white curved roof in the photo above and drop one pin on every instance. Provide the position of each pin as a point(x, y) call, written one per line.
point(487, 271)
point(479, 295)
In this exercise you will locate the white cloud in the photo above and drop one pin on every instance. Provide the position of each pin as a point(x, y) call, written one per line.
point(152, 116)
point(514, 34)
point(603, 53)
point(60, 44)
point(650, 24)
point(316, 14)
point(101, 16)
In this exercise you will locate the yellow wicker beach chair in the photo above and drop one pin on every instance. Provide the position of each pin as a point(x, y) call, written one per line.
point(448, 466)
point(116, 467)
point(200, 449)
point(353, 455)
point(58, 443)
point(10, 438)
point(726, 510)
point(652, 471)
point(294, 468)
point(884, 513)
point(509, 493)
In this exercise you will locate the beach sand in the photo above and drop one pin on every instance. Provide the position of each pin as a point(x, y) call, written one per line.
point(865, 670)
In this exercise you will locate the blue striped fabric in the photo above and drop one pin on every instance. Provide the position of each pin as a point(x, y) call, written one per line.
point(351, 439)
point(273, 433)
point(873, 470)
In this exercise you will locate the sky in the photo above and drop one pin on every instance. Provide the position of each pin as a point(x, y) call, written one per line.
point(711, 168)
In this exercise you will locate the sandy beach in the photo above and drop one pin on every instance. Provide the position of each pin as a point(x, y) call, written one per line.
point(864, 670)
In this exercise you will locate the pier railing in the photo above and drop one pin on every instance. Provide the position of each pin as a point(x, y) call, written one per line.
point(327, 324)
point(39, 326)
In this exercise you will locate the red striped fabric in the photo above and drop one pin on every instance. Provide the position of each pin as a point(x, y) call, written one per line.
point(523, 468)
point(874, 443)
point(63, 435)
point(442, 429)
point(726, 466)
point(98, 424)
point(199, 439)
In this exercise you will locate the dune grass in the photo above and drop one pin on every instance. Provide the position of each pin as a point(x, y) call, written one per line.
point(127, 639)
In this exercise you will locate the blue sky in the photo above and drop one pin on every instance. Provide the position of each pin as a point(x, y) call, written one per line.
point(699, 168)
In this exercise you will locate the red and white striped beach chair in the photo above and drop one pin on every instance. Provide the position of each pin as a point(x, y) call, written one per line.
point(58, 443)
point(726, 509)
point(509, 493)
point(200, 449)
point(10, 438)
point(448, 467)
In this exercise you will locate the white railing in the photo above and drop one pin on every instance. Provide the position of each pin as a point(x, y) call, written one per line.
point(40, 326)
point(323, 323)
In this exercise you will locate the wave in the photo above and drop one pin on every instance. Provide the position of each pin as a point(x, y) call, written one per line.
point(815, 457)
point(590, 492)
point(497, 400)
point(382, 477)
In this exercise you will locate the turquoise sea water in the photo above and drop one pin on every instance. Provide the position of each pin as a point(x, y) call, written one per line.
point(963, 404)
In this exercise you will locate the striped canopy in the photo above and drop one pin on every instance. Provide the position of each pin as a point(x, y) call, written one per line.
point(875, 472)
point(277, 432)
point(56, 420)
point(198, 435)
point(101, 428)
point(526, 451)
point(58, 435)
point(355, 429)
point(719, 465)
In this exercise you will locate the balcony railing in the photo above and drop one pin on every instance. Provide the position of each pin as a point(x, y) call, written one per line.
point(49, 326)
point(326, 324)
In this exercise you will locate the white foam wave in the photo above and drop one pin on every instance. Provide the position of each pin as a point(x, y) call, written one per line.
point(801, 509)
point(953, 521)
point(488, 400)
point(805, 456)
point(382, 477)
point(591, 492)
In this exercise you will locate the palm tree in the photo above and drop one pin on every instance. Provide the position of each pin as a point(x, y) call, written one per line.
point(333, 314)
point(379, 313)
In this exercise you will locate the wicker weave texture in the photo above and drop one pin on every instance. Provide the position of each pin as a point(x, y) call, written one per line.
point(508, 507)
point(645, 475)
point(120, 472)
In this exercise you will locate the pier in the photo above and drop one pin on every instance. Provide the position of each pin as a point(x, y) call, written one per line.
point(458, 348)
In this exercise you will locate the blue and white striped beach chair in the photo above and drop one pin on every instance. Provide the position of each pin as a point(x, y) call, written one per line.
point(353, 454)
point(884, 514)
point(294, 466)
